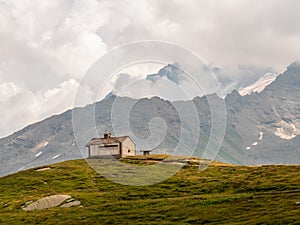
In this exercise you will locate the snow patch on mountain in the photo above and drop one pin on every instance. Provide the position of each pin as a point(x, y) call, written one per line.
point(261, 136)
point(56, 156)
point(39, 146)
point(259, 85)
point(38, 154)
point(287, 130)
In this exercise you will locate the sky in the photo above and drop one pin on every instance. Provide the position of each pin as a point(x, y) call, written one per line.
point(47, 46)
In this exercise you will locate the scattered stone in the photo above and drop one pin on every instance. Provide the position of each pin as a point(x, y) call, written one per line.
point(47, 202)
point(174, 163)
point(70, 200)
point(297, 203)
point(69, 204)
point(43, 169)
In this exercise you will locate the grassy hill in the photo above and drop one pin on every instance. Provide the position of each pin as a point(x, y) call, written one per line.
point(221, 194)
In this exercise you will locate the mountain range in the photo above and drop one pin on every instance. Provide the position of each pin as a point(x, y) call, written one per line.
point(262, 127)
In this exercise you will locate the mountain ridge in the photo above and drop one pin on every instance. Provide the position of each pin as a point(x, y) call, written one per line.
point(255, 129)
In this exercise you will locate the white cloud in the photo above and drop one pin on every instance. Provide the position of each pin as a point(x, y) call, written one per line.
point(7, 90)
point(20, 107)
point(44, 44)
point(52, 39)
point(224, 33)
point(45, 47)
point(139, 87)
point(174, 84)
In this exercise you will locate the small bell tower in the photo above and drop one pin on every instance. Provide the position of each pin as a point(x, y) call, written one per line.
point(107, 134)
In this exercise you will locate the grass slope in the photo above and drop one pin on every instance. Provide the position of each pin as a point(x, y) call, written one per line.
point(220, 194)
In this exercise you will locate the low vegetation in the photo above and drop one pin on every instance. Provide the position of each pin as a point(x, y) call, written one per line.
point(220, 194)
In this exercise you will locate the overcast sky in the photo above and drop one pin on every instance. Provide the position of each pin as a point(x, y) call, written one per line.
point(46, 46)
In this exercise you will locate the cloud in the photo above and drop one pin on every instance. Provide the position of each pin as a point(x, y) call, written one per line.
point(46, 43)
point(46, 47)
point(52, 39)
point(239, 76)
point(141, 88)
point(223, 33)
point(171, 72)
point(19, 107)
point(170, 82)
point(7, 90)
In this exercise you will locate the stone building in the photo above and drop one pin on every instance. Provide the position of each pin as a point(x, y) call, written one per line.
point(115, 146)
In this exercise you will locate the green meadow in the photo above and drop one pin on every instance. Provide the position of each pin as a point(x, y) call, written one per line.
point(220, 194)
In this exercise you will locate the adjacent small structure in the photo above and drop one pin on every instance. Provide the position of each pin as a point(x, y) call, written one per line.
point(115, 146)
point(146, 152)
